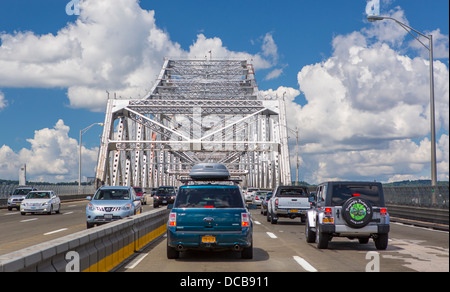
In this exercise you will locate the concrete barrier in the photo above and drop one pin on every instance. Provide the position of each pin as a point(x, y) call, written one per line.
point(99, 249)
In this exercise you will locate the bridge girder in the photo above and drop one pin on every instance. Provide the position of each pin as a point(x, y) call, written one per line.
point(197, 111)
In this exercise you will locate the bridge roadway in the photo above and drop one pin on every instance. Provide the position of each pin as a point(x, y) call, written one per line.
point(277, 248)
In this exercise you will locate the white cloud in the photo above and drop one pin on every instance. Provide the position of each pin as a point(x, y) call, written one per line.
point(3, 101)
point(274, 74)
point(117, 47)
point(367, 111)
point(50, 158)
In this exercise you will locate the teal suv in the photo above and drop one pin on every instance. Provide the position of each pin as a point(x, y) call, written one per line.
point(209, 216)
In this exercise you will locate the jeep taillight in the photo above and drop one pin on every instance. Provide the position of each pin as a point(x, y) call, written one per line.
point(327, 211)
point(245, 220)
point(173, 219)
point(383, 212)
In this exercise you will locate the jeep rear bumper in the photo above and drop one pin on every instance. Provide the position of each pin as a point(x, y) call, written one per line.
point(344, 230)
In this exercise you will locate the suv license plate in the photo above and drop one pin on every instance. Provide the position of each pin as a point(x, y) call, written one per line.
point(328, 221)
point(294, 211)
point(108, 216)
point(208, 239)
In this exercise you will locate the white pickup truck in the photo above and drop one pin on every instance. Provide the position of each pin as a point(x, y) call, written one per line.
point(290, 202)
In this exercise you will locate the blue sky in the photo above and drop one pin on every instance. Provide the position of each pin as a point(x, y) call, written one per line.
point(55, 69)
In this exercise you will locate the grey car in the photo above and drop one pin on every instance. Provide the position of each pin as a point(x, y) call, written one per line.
point(355, 210)
point(111, 204)
point(18, 196)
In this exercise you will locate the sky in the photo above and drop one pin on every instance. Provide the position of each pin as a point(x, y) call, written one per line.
point(357, 91)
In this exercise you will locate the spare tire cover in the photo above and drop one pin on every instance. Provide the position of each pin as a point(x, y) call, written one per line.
point(357, 212)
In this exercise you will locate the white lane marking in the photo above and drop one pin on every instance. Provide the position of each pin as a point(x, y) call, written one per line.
point(67, 213)
point(271, 235)
point(14, 213)
point(305, 265)
point(56, 231)
point(257, 222)
point(28, 220)
point(136, 261)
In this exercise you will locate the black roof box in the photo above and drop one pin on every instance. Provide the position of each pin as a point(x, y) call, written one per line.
point(209, 171)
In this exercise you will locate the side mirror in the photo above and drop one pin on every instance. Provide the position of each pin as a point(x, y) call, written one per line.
point(170, 207)
point(88, 198)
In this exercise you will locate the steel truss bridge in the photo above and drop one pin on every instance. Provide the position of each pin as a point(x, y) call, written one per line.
point(197, 111)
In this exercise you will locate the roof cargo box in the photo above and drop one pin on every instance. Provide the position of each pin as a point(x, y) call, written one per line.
point(209, 171)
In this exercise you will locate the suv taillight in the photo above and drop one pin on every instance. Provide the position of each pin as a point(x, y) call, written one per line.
point(173, 219)
point(327, 211)
point(383, 212)
point(276, 202)
point(245, 220)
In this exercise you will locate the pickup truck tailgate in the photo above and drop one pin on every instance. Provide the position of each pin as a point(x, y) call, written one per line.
point(300, 203)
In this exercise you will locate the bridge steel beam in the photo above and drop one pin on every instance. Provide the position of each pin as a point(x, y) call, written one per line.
point(197, 111)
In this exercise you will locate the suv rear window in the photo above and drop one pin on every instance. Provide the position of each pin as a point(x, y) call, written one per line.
point(292, 192)
point(209, 197)
point(166, 190)
point(342, 193)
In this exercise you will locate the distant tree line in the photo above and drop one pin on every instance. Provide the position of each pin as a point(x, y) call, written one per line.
point(30, 183)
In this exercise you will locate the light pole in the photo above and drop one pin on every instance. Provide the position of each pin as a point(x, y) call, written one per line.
point(409, 29)
point(79, 153)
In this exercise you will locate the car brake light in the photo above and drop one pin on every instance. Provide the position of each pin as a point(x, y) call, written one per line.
point(173, 219)
point(276, 202)
point(209, 206)
point(327, 211)
point(245, 220)
point(356, 195)
point(383, 212)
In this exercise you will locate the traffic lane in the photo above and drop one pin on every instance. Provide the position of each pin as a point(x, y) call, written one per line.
point(343, 255)
point(282, 248)
point(23, 231)
point(18, 232)
point(271, 253)
point(420, 249)
point(410, 249)
point(265, 258)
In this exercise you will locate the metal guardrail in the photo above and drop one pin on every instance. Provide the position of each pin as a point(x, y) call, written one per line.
point(60, 190)
point(418, 196)
point(430, 215)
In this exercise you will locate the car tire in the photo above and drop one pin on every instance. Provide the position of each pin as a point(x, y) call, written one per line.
point(59, 209)
point(310, 234)
point(381, 241)
point(322, 240)
point(357, 212)
point(89, 225)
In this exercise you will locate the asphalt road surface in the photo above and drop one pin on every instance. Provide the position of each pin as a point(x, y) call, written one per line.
point(277, 248)
point(283, 248)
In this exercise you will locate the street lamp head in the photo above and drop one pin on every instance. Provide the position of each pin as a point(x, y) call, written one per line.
point(372, 18)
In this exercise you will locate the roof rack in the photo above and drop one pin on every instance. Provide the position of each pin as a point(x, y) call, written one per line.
point(209, 172)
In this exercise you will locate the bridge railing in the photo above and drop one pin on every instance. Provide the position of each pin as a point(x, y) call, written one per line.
point(417, 196)
point(60, 190)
